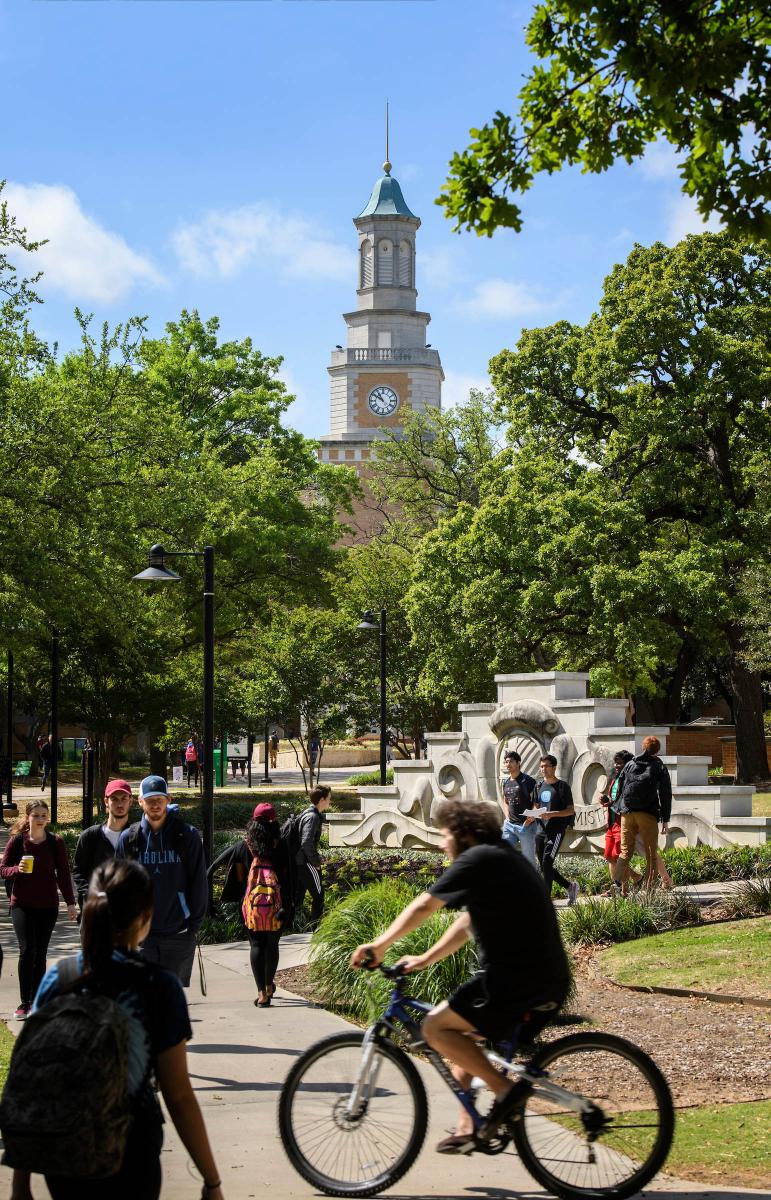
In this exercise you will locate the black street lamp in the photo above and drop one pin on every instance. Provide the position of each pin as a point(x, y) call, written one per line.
point(9, 738)
point(158, 572)
point(54, 810)
point(370, 624)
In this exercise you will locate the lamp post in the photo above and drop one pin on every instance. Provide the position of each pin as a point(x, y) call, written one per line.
point(370, 624)
point(9, 738)
point(54, 810)
point(158, 572)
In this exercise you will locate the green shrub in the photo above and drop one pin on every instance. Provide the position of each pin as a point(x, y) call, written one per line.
point(623, 918)
point(360, 918)
point(369, 778)
point(710, 864)
point(224, 925)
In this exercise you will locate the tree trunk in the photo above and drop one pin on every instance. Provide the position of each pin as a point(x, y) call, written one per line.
point(157, 760)
point(747, 704)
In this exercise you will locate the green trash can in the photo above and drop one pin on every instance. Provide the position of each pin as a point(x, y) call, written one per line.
point(218, 768)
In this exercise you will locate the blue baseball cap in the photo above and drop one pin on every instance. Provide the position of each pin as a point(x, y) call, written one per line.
point(153, 785)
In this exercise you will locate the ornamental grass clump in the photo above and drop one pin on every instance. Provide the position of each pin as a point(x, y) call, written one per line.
point(360, 918)
point(627, 917)
point(751, 898)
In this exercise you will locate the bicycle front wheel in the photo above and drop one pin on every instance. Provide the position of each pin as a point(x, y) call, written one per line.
point(353, 1121)
point(616, 1145)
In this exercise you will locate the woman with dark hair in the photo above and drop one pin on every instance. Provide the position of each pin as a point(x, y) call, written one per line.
point(266, 906)
point(35, 863)
point(116, 917)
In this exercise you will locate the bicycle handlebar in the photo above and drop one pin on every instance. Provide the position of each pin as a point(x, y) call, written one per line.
point(390, 972)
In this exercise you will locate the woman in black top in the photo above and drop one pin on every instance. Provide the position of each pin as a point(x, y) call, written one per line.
point(265, 849)
point(116, 917)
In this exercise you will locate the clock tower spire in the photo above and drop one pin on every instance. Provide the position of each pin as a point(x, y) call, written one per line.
point(385, 369)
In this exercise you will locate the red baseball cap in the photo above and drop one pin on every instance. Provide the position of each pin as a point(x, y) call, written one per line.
point(264, 812)
point(117, 785)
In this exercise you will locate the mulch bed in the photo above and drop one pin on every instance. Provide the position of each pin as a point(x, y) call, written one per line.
point(710, 1053)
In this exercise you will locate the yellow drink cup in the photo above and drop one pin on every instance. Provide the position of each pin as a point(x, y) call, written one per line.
point(27, 864)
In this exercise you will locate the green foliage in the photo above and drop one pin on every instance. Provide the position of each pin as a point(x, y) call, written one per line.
point(612, 78)
point(623, 918)
point(708, 864)
point(223, 925)
point(359, 919)
point(348, 871)
point(365, 778)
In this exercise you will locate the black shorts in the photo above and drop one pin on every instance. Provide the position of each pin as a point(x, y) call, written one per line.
point(496, 1013)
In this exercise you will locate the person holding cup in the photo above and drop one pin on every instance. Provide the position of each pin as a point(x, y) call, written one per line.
point(35, 864)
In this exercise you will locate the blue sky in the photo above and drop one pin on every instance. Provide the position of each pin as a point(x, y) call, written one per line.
point(203, 154)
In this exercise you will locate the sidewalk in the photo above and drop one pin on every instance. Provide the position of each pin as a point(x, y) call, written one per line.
point(238, 1059)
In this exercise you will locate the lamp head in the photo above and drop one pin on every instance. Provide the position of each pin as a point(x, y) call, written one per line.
point(156, 570)
point(369, 622)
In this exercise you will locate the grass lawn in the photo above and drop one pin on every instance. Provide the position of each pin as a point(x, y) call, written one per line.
point(729, 1144)
point(761, 804)
point(734, 957)
point(7, 1041)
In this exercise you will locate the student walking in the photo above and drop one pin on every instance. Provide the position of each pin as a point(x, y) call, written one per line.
point(172, 852)
point(99, 842)
point(266, 906)
point(151, 1006)
point(191, 762)
point(46, 758)
point(646, 797)
point(35, 864)
point(518, 789)
point(275, 741)
point(555, 797)
point(308, 859)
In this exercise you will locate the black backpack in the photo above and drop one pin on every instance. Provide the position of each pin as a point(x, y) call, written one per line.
point(640, 791)
point(65, 1108)
point(290, 835)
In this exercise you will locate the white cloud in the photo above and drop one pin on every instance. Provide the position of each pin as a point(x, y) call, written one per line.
point(456, 387)
point(660, 161)
point(500, 298)
point(684, 218)
point(82, 258)
point(438, 268)
point(225, 242)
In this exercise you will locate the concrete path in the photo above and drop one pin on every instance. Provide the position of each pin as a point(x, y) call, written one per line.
point(238, 1059)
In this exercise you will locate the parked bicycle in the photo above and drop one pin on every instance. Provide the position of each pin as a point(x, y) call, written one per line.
point(596, 1122)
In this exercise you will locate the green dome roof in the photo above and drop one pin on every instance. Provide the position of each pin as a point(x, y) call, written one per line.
point(387, 200)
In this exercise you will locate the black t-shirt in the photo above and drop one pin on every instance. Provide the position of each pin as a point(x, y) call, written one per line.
point(518, 794)
point(554, 796)
point(513, 919)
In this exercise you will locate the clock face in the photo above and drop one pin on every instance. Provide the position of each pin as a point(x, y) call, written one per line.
point(383, 401)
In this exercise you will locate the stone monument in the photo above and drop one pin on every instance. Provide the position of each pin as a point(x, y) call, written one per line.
point(537, 713)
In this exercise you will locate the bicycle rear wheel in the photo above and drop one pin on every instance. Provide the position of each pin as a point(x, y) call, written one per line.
point(344, 1152)
point(618, 1146)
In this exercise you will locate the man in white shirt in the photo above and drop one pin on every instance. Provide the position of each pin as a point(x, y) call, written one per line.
point(98, 843)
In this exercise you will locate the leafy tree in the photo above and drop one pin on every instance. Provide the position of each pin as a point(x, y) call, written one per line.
point(433, 464)
point(664, 394)
point(614, 77)
point(129, 441)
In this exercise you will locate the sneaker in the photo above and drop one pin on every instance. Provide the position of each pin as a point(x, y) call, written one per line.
point(573, 890)
point(22, 1012)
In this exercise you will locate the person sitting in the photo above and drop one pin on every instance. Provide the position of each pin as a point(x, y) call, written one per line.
point(524, 975)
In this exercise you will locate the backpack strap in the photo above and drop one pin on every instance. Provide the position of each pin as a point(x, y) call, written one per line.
point(69, 973)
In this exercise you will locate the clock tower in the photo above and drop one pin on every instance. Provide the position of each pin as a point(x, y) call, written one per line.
point(386, 369)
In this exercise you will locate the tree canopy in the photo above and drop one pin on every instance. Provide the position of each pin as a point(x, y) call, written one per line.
point(627, 525)
point(615, 76)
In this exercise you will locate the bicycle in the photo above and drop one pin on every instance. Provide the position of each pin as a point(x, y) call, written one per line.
point(596, 1120)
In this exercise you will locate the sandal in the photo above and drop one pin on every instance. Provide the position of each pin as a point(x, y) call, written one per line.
point(456, 1143)
point(262, 1003)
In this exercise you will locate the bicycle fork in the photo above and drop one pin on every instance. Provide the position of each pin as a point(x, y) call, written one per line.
point(366, 1081)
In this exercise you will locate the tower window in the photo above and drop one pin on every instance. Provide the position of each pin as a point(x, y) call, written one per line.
point(405, 264)
point(385, 261)
point(367, 260)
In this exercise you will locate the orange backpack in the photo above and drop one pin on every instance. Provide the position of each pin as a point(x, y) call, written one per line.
point(262, 901)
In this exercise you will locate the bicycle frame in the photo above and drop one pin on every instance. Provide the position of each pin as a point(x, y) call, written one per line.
point(399, 1013)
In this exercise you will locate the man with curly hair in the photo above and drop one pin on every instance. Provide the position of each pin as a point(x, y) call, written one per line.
point(524, 975)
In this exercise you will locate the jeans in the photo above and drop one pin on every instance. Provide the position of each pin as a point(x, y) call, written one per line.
point(33, 928)
point(263, 956)
point(176, 953)
point(523, 836)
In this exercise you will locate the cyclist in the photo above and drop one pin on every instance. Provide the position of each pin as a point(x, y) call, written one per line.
point(524, 975)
